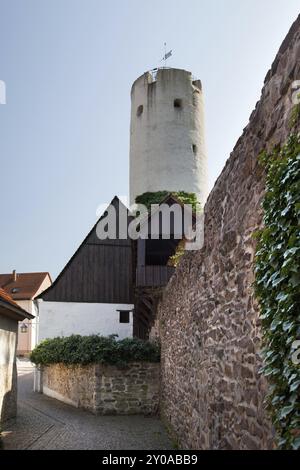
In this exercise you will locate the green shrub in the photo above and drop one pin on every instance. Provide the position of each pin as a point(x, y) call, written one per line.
point(147, 199)
point(78, 349)
point(277, 285)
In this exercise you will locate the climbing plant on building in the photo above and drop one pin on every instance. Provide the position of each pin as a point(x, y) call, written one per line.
point(295, 115)
point(277, 286)
point(151, 198)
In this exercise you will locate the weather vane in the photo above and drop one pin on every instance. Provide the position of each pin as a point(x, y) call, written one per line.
point(166, 55)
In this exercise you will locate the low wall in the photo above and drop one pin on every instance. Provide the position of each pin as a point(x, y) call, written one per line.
point(104, 389)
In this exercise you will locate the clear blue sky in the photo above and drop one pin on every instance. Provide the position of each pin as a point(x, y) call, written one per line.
point(68, 67)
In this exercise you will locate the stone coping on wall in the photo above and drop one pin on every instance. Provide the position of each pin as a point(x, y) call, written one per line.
point(104, 389)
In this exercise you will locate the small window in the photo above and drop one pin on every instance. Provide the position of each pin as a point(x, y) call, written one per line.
point(194, 147)
point(178, 103)
point(124, 316)
point(15, 290)
point(140, 110)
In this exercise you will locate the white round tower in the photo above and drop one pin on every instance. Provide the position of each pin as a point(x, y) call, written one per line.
point(167, 139)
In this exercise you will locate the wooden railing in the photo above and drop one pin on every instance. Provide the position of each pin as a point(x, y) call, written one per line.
point(153, 276)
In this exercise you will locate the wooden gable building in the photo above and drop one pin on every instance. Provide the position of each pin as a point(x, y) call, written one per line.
point(94, 293)
point(110, 286)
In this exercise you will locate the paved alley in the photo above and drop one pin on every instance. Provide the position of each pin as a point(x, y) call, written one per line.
point(45, 423)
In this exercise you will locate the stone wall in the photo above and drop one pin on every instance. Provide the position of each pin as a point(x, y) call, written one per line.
point(104, 389)
point(212, 392)
point(8, 371)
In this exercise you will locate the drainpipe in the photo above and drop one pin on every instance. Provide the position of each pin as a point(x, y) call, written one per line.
point(38, 372)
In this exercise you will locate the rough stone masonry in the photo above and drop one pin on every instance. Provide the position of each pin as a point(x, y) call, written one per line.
point(208, 322)
point(105, 389)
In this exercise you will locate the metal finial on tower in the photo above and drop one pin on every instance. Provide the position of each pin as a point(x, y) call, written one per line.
point(166, 54)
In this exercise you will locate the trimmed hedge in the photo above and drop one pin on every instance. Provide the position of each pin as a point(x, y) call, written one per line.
point(84, 350)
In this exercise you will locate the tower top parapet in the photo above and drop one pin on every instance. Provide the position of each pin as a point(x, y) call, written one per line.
point(166, 73)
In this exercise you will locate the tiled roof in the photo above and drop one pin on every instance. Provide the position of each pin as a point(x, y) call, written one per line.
point(24, 287)
point(8, 303)
point(7, 298)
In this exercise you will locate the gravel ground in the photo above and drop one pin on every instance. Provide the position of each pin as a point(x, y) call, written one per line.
point(45, 423)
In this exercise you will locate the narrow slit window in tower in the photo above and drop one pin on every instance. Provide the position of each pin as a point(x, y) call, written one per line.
point(140, 110)
point(178, 103)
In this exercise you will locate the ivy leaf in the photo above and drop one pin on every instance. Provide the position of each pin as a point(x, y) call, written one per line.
point(285, 211)
point(292, 377)
point(291, 251)
point(275, 323)
point(296, 444)
point(282, 297)
point(287, 325)
point(286, 411)
point(281, 442)
point(294, 386)
point(278, 281)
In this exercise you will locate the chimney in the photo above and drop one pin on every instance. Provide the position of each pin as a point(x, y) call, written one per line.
point(14, 275)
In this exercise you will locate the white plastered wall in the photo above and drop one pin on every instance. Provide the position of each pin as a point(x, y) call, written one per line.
point(67, 318)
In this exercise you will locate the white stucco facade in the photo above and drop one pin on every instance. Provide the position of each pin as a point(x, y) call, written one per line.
point(28, 340)
point(167, 135)
point(68, 318)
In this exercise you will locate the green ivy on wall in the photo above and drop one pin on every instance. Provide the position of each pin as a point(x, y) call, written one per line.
point(277, 286)
point(179, 252)
point(149, 198)
point(295, 114)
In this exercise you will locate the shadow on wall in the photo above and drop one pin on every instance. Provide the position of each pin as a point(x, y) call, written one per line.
point(8, 375)
point(9, 406)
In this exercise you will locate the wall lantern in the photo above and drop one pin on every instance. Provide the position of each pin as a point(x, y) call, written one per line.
point(23, 328)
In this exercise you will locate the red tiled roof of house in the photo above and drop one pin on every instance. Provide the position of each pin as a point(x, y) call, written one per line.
point(5, 297)
point(22, 286)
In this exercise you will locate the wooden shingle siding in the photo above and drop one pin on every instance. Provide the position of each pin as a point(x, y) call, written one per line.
point(153, 276)
point(101, 271)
